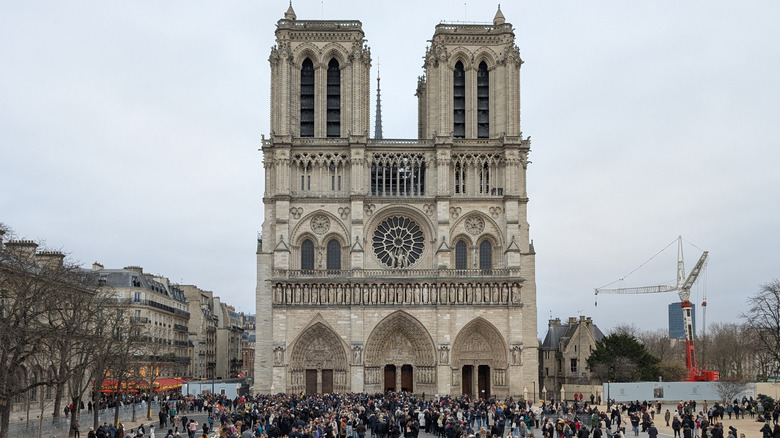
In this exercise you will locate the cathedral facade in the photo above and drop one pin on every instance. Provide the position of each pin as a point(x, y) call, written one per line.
point(395, 264)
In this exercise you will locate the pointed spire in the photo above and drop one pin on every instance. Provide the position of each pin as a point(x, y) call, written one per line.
point(499, 18)
point(290, 14)
point(378, 123)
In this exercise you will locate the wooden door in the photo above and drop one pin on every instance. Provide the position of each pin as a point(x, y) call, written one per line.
point(327, 381)
point(483, 381)
point(467, 380)
point(389, 378)
point(407, 378)
point(311, 381)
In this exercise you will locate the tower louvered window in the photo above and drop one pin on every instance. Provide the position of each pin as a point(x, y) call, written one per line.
point(307, 98)
point(483, 101)
point(334, 99)
point(459, 102)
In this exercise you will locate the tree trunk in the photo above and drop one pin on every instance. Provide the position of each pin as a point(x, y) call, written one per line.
point(74, 414)
point(58, 393)
point(95, 409)
point(5, 417)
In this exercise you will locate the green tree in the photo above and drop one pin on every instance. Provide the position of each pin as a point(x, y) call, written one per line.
point(620, 357)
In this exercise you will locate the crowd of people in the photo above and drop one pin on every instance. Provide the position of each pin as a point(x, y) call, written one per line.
point(397, 415)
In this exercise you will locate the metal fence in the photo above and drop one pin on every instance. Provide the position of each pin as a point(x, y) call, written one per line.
point(59, 427)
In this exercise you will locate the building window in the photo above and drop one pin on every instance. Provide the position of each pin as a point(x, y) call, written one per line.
point(334, 99)
point(483, 101)
point(398, 175)
point(334, 255)
point(574, 365)
point(307, 98)
point(459, 101)
point(461, 254)
point(460, 178)
point(484, 179)
point(546, 372)
point(485, 255)
point(307, 255)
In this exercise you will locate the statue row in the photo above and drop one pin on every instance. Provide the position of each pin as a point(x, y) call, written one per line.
point(395, 293)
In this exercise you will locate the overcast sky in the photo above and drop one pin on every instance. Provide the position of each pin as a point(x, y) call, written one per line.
point(130, 135)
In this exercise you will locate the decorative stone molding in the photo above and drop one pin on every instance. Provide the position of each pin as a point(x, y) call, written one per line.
point(474, 224)
point(368, 209)
point(344, 212)
point(296, 212)
point(444, 354)
point(357, 354)
point(429, 209)
point(455, 212)
point(517, 354)
point(278, 355)
point(320, 224)
point(372, 292)
point(495, 212)
point(499, 377)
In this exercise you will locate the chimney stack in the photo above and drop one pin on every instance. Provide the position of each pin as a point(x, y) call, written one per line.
point(97, 266)
point(23, 249)
point(50, 259)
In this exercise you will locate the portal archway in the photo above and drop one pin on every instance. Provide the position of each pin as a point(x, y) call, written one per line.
point(400, 354)
point(318, 361)
point(480, 357)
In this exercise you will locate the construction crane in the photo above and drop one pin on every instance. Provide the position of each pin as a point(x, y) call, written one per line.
point(696, 372)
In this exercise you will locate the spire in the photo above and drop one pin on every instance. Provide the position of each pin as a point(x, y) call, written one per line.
point(290, 14)
point(499, 18)
point(378, 124)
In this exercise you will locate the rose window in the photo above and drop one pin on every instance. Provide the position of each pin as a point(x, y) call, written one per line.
point(398, 242)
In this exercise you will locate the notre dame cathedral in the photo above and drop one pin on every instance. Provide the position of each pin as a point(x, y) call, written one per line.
point(405, 264)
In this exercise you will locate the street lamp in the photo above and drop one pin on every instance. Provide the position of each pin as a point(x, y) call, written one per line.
point(609, 400)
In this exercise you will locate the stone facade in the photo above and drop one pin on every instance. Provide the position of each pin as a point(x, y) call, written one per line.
point(564, 353)
point(395, 264)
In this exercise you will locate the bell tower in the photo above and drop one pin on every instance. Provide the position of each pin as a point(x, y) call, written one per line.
point(320, 84)
point(471, 87)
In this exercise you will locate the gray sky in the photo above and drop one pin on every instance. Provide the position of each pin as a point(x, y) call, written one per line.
point(130, 133)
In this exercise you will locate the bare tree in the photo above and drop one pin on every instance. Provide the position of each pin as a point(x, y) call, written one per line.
point(661, 346)
point(728, 389)
point(763, 316)
point(32, 283)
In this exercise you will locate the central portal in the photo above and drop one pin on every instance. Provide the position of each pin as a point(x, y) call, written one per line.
point(389, 378)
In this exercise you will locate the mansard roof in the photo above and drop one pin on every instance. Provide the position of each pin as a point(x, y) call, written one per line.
point(559, 335)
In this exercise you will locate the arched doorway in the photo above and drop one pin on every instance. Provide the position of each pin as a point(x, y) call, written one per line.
point(318, 361)
point(400, 356)
point(480, 355)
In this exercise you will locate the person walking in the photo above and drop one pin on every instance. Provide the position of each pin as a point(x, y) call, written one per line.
point(667, 417)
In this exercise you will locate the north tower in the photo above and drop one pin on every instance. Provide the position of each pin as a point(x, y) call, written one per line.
point(395, 264)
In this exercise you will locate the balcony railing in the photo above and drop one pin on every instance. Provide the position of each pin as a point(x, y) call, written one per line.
point(422, 274)
point(181, 328)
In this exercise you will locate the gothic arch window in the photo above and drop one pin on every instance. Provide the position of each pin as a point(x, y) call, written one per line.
point(485, 255)
point(307, 255)
point(484, 179)
point(307, 98)
point(305, 171)
point(461, 255)
point(334, 99)
point(483, 101)
point(335, 172)
point(334, 255)
point(459, 101)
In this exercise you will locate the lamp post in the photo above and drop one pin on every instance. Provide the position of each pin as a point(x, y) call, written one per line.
point(609, 401)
